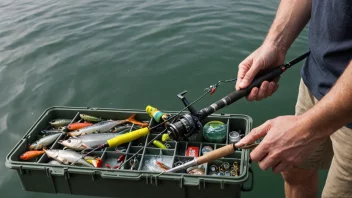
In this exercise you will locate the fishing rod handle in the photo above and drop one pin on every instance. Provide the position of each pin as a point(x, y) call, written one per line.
point(216, 154)
point(234, 96)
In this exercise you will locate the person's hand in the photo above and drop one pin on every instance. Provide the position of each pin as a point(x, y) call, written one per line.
point(287, 143)
point(265, 57)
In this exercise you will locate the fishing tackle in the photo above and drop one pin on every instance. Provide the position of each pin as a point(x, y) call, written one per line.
point(192, 151)
point(96, 162)
point(31, 154)
point(44, 142)
point(124, 128)
point(212, 88)
point(206, 149)
point(165, 137)
point(51, 131)
point(78, 125)
point(213, 168)
point(234, 172)
point(133, 163)
point(67, 157)
point(60, 122)
point(105, 126)
point(187, 126)
point(221, 173)
point(90, 118)
point(121, 158)
point(226, 165)
point(196, 171)
point(168, 146)
point(156, 114)
point(234, 137)
point(159, 144)
point(162, 165)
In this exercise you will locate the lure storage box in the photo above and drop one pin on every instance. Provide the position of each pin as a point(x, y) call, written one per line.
point(139, 182)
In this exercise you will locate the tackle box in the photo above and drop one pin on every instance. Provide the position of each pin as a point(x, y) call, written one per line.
point(124, 182)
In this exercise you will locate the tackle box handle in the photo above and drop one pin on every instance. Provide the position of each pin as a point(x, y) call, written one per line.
point(250, 188)
point(127, 176)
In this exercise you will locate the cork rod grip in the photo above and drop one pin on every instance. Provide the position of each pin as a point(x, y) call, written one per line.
point(216, 154)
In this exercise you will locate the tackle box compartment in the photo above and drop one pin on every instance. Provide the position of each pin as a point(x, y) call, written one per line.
point(124, 182)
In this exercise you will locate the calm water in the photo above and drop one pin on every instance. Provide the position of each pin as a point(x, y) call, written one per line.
point(128, 54)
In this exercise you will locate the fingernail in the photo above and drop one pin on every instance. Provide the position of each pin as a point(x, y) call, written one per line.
point(239, 144)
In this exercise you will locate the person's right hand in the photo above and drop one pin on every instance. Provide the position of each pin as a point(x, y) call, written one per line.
point(265, 57)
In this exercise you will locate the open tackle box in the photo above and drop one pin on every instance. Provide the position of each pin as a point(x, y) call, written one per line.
point(140, 181)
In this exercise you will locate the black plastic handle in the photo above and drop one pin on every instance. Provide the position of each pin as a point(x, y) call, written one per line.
point(257, 81)
point(268, 76)
point(250, 188)
point(182, 97)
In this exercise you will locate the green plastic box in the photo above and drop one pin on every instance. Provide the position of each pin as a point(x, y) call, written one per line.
point(39, 176)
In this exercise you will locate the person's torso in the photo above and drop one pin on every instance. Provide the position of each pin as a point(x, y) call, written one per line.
point(330, 43)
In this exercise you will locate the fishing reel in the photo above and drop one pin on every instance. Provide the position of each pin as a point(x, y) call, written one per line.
point(187, 126)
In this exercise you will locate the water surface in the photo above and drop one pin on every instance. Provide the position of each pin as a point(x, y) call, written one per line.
point(128, 54)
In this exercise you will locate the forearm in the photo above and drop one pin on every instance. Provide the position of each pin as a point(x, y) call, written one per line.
point(334, 110)
point(291, 17)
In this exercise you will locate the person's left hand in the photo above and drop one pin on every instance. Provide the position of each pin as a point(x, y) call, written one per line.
point(287, 142)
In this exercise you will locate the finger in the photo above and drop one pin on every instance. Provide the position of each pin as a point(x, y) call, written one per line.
point(279, 167)
point(276, 87)
point(253, 95)
point(255, 134)
point(267, 162)
point(243, 68)
point(271, 88)
point(252, 72)
point(276, 80)
point(263, 90)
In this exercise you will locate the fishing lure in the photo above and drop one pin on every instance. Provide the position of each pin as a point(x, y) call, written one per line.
point(60, 122)
point(78, 125)
point(44, 142)
point(162, 165)
point(90, 118)
point(159, 144)
point(95, 162)
point(165, 137)
point(121, 158)
point(31, 154)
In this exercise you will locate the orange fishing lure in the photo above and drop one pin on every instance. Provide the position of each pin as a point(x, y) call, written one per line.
point(78, 125)
point(30, 155)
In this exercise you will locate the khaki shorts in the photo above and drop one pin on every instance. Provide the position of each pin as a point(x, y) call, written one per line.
point(334, 154)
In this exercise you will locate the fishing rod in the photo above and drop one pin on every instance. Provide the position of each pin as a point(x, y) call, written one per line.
point(189, 123)
point(187, 126)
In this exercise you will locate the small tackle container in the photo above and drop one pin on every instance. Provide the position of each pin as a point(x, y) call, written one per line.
point(140, 181)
